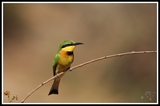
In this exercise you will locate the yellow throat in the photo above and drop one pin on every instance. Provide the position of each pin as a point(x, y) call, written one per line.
point(65, 58)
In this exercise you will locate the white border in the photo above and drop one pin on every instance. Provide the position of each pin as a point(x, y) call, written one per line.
point(81, 3)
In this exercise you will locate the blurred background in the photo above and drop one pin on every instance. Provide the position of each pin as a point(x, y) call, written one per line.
point(32, 34)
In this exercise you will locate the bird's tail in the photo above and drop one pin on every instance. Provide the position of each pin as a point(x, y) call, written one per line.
point(55, 85)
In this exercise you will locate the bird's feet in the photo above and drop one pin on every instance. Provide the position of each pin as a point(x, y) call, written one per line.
point(69, 69)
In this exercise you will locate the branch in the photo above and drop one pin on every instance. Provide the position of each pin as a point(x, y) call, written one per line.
point(85, 63)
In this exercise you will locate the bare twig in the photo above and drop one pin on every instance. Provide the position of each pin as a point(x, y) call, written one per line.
point(85, 63)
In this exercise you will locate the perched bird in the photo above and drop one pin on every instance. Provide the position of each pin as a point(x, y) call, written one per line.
point(62, 62)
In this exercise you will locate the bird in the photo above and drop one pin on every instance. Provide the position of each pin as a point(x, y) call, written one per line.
point(62, 62)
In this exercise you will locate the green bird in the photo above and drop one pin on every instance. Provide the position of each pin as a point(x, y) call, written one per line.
point(62, 62)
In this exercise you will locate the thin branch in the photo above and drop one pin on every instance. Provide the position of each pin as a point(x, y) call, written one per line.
point(85, 63)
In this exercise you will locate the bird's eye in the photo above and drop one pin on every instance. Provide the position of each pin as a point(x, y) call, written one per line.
point(66, 45)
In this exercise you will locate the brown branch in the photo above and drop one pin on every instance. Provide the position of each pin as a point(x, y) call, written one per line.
point(85, 63)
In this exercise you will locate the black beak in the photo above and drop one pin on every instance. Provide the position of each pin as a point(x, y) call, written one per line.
point(77, 43)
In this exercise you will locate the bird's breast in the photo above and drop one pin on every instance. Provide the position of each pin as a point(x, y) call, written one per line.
point(66, 57)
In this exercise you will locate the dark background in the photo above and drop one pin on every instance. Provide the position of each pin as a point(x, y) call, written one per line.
point(32, 34)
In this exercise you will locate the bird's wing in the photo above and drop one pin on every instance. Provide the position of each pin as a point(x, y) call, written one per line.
point(56, 58)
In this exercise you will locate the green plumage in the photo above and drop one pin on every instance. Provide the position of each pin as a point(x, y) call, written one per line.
point(57, 56)
point(55, 62)
point(62, 62)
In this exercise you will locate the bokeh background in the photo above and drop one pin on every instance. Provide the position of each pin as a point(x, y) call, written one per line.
point(32, 34)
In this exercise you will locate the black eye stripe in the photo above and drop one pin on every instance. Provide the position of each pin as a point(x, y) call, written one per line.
point(66, 45)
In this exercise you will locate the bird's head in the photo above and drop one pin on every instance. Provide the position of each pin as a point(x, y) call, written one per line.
point(68, 45)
